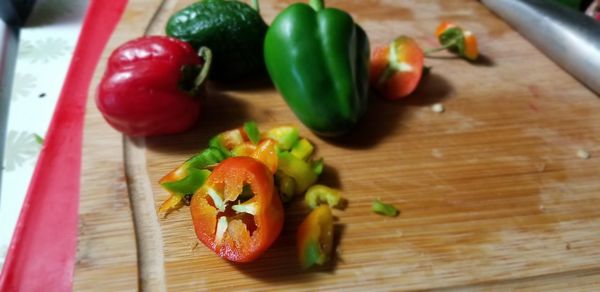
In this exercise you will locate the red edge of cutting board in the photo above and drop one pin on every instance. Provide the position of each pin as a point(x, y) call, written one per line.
point(42, 252)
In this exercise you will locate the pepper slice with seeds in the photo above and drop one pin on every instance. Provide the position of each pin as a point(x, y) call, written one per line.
point(237, 213)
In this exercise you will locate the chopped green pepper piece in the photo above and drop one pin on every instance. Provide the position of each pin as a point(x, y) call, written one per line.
point(215, 142)
point(317, 166)
point(189, 184)
point(252, 131)
point(190, 176)
point(207, 157)
point(285, 136)
point(317, 194)
point(382, 208)
point(303, 149)
point(298, 169)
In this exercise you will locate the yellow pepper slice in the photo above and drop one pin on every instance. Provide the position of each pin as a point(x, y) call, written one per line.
point(315, 238)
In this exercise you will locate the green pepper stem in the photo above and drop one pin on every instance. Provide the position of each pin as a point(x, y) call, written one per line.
point(434, 50)
point(317, 5)
point(256, 6)
point(386, 75)
point(206, 55)
point(449, 44)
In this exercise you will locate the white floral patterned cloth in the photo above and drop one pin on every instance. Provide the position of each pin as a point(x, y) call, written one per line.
point(46, 45)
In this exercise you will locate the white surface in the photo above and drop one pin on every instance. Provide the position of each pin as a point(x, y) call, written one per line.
point(46, 45)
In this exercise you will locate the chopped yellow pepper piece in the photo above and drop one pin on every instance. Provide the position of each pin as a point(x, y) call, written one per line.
point(318, 194)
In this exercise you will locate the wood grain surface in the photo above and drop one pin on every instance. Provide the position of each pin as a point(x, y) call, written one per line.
point(492, 193)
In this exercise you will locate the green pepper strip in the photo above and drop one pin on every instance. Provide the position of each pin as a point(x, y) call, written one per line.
point(189, 184)
point(215, 142)
point(252, 131)
point(207, 157)
point(382, 208)
point(194, 175)
point(286, 137)
point(318, 166)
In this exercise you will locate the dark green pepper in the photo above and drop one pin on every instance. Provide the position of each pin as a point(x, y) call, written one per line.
point(318, 59)
point(233, 30)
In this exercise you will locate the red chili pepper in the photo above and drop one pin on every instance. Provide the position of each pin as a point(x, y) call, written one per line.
point(397, 68)
point(151, 86)
point(237, 213)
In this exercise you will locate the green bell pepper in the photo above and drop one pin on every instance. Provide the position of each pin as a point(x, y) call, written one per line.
point(318, 59)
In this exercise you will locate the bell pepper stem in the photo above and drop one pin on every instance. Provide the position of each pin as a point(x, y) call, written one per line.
point(256, 6)
point(206, 55)
point(428, 52)
point(386, 75)
point(317, 5)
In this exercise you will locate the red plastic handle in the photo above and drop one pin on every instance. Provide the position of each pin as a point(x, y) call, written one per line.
point(42, 252)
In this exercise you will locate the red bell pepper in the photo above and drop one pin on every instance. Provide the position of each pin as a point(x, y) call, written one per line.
point(237, 213)
point(151, 86)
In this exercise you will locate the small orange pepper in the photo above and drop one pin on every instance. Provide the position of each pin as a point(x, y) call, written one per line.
point(457, 39)
point(396, 69)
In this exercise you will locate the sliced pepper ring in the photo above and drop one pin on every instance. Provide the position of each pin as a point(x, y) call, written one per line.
point(236, 227)
point(318, 194)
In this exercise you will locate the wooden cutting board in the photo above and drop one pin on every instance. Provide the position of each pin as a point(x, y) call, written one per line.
point(492, 193)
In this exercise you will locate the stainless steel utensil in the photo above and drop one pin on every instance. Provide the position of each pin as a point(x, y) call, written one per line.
point(568, 37)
